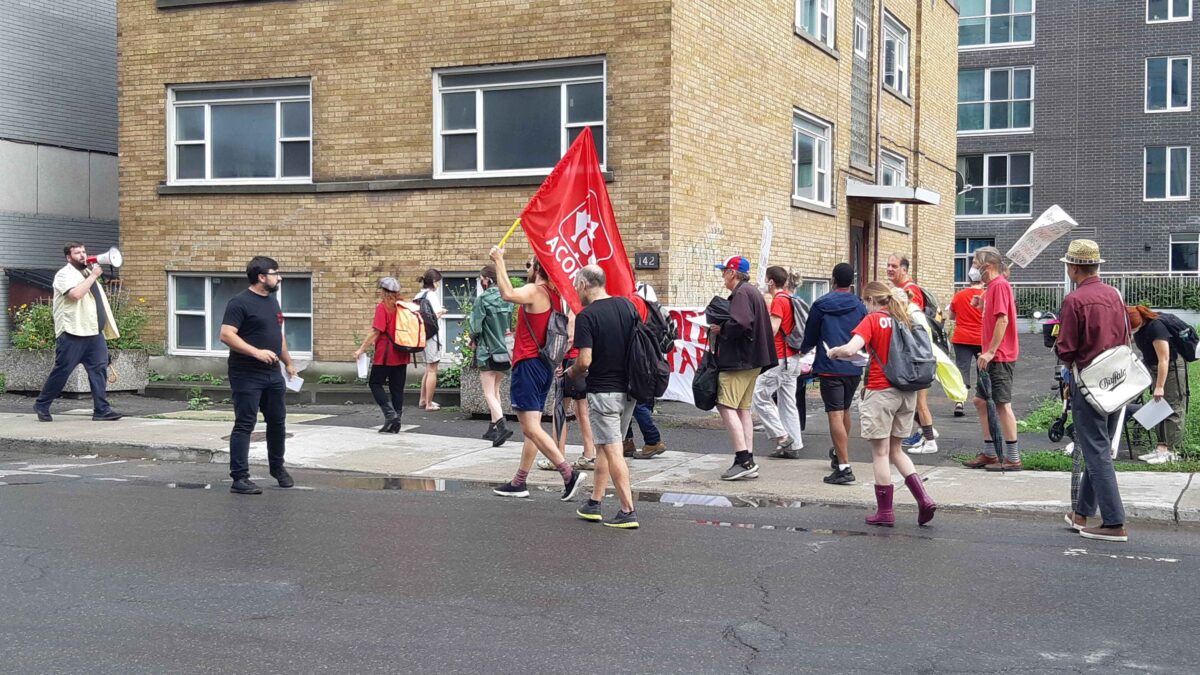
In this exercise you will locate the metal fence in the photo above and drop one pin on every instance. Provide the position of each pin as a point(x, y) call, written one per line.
point(1160, 290)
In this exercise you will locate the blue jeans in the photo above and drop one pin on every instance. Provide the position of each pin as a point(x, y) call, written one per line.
point(643, 414)
point(1098, 485)
point(70, 351)
point(254, 391)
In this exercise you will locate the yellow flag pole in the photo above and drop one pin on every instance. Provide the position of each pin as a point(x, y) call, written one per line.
point(508, 234)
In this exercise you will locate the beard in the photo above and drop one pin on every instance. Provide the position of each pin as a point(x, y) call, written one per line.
point(80, 266)
point(271, 288)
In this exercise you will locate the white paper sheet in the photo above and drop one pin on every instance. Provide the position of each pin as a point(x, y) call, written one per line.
point(364, 365)
point(859, 360)
point(1152, 413)
point(293, 383)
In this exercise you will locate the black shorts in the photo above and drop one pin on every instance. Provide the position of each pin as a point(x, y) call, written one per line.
point(837, 391)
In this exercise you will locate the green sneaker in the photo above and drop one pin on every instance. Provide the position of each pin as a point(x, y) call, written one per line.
point(623, 520)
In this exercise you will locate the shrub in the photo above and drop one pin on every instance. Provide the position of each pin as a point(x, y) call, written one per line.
point(33, 324)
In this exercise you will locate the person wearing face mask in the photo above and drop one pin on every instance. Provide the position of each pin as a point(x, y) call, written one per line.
point(252, 328)
point(967, 318)
point(490, 320)
point(82, 322)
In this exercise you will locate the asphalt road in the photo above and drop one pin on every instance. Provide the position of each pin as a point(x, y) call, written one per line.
point(109, 569)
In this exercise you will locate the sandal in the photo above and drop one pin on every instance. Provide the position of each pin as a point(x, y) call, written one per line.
point(545, 464)
point(433, 407)
point(585, 464)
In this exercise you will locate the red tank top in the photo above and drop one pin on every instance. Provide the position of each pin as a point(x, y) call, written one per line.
point(526, 344)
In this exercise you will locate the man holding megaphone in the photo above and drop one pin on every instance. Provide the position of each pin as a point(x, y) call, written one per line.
point(83, 321)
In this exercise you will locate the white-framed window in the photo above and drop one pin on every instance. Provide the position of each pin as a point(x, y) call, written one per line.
point(1185, 252)
point(995, 23)
point(892, 171)
point(1167, 175)
point(1163, 11)
point(860, 37)
point(810, 289)
point(895, 55)
point(515, 121)
point(1001, 185)
point(964, 250)
point(455, 289)
point(197, 305)
point(995, 99)
point(811, 141)
point(815, 18)
point(244, 132)
point(1168, 83)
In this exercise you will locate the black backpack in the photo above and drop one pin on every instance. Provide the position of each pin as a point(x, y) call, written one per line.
point(558, 338)
point(646, 368)
point(795, 337)
point(937, 320)
point(429, 317)
point(665, 330)
point(1183, 337)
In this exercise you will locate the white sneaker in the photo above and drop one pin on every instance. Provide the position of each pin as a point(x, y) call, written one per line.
point(1161, 458)
point(1069, 450)
point(925, 447)
point(1146, 457)
point(545, 464)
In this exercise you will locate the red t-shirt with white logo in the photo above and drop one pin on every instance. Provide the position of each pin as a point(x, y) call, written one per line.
point(781, 306)
point(876, 329)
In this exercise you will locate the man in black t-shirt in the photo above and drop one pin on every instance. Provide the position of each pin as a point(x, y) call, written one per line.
point(252, 328)
point(602, 333)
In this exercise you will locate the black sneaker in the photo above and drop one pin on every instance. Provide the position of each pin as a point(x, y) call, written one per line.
point(502, 434)
point(623, 521)
point(571, 487)
point(510, 490)
point(43, 415)
point(833, 460)
point(491, 432)
point(747, 469)
point(283, 478)
point(840, 477)
point(110, 416)
point(245, 486)
point(589, 511)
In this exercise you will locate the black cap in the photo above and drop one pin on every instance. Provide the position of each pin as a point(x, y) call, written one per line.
point(843, 275)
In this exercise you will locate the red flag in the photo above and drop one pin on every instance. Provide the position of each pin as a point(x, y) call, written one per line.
point(570, 224)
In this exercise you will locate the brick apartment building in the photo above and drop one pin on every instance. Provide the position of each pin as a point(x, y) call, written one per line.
point(1088, 104)
point(358, 138)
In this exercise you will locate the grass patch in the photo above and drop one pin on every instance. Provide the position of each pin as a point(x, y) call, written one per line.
point(1041, 417)
point(200, 377)
point(331, 379)
point(197, 400)
point(1054, 460)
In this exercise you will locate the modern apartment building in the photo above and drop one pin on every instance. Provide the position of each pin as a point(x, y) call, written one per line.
point(353, 139)
point(1088, 104)
point(58, 139)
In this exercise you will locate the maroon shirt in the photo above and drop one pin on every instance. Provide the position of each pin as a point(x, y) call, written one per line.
point(1093, 320)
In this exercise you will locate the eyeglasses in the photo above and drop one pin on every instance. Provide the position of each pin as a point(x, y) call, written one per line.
point(272, 274)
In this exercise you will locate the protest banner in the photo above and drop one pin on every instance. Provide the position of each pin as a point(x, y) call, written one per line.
point(1052, 224)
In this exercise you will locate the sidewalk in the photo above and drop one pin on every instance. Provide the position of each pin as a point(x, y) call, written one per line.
point(675, 477)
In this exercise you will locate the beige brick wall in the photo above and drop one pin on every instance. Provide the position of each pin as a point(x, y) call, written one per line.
point(700, 100)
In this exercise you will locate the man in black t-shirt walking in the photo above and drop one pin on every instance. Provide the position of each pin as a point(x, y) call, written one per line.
point(602, 333)
point(253, 330)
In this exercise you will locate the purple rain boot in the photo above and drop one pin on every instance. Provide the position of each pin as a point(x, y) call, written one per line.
point(925, 504)
point(884, 515)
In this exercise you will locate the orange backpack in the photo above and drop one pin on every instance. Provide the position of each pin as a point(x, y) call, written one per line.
point(409, 335)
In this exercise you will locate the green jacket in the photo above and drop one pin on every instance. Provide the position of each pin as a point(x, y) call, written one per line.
point(490, 320)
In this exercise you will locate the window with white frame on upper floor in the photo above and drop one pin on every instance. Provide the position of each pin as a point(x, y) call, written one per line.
point(1168, 83)
point(964, 251)
point(811, 142)
point(995, 100)
point(860, 37)
point(892, 172)
point(197, 307)
point(895, 55)
point(247, 132)
point(1167, 176)
point(1163, 11)
point(995, 23)
point(515, 121)
point(1001, 185)
point(1185, 252)
point(816, 19)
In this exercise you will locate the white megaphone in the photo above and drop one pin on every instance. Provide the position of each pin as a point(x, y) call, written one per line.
point(110, 257)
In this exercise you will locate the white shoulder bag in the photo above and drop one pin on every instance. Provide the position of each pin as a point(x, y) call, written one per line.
point(1114, 378)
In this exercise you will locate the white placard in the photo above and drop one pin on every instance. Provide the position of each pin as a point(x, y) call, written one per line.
point(364, 365)
point(293, 383)
point(1052, 224)
point(764, 249)
point(1152, 413)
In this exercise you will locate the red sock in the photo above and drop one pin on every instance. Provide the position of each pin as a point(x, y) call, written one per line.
point(565, 469)
point(519, 479)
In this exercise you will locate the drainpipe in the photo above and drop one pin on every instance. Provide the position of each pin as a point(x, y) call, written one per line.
point(878, 89)
point(919, 30)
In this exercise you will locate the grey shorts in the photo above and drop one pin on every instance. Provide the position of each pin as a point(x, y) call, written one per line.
point(1001, 373)
point(609, 413)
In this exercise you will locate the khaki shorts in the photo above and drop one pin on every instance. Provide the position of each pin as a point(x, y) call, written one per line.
point(735, 388)
point(609, 413)
point(887, 412)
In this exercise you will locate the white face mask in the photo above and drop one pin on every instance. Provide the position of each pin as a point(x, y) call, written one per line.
point(974, 275)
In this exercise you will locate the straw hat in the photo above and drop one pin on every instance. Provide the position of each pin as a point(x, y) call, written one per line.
point(1082, 252)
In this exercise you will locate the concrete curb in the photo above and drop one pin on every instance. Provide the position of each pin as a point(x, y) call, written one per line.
point(1185, 511)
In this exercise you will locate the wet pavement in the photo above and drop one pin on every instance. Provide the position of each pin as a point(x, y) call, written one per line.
point(148, 567)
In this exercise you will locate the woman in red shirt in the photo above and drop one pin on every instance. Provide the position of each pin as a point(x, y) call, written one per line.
point(887, 412)
point(967, 316)
point(389, 365)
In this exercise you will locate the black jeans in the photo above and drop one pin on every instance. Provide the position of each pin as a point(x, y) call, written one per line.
point(254, 391)
point(70, 351)
point(394, 377)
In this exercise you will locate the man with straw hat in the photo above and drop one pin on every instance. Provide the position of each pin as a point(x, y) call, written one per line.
point(1092, 321)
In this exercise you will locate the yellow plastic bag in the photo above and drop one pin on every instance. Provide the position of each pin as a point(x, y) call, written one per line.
point(948, 376)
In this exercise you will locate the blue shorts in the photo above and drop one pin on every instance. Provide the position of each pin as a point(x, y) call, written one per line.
point(531, 380)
